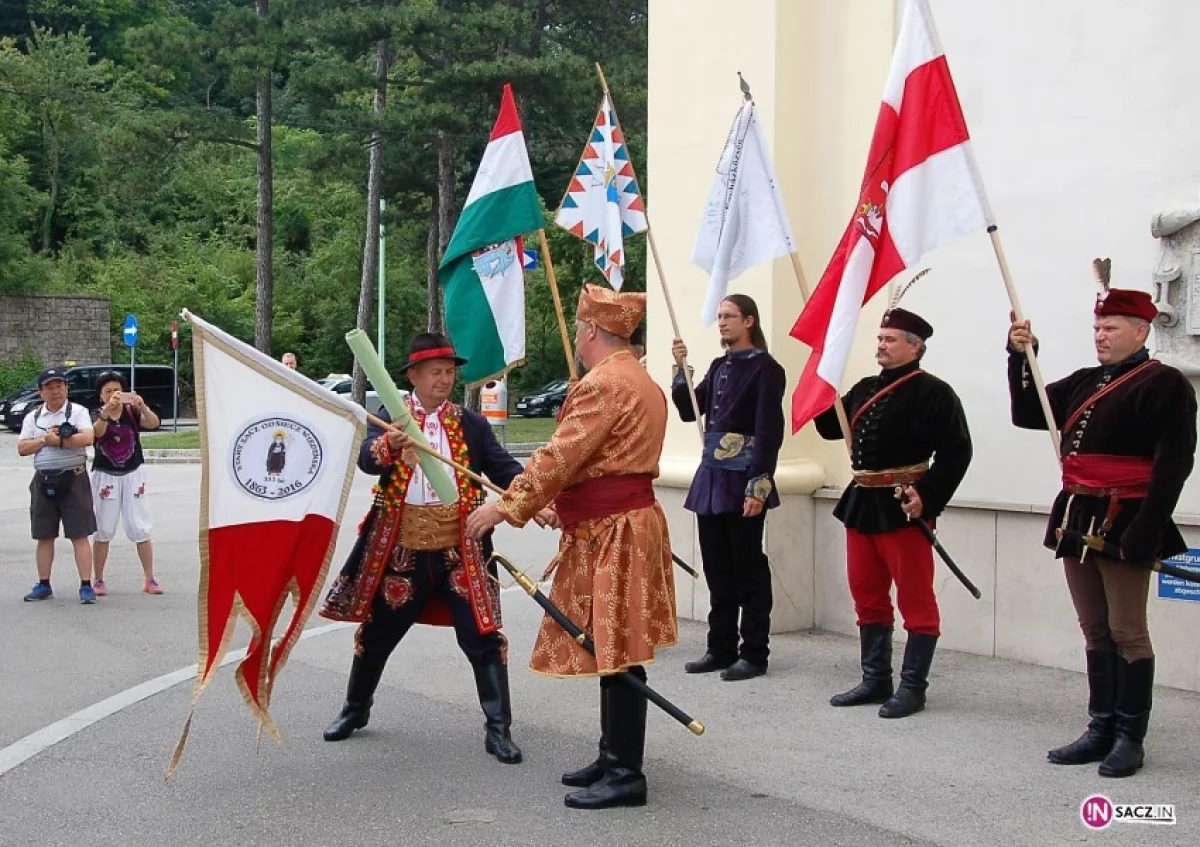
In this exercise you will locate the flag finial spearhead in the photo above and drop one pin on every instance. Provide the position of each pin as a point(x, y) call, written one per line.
point(745, 86)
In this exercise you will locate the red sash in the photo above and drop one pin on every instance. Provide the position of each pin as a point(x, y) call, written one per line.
point(602, 497)
point(1105, 475)
point(879, 395)
point(1105, 391)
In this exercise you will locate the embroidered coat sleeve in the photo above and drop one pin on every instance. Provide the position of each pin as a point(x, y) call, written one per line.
point(488, 457)
point(768, 430)
point(372, 453)
point(952, 452)
point(582, 429)
point(1026, 405)
point(681, 399)
point(1174, 455)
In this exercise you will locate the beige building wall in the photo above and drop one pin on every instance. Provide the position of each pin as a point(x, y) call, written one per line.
point(1082, 121)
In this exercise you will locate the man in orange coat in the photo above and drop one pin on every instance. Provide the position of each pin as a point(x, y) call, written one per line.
point(613, 574)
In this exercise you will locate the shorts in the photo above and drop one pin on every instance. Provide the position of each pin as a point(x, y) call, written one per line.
point(121, 499)
point(73, 512)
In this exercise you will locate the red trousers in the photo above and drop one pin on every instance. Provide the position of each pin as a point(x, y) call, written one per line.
point(903, 556)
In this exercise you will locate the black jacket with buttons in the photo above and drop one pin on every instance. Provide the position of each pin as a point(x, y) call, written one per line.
point(915, 422)
point(1153, 415)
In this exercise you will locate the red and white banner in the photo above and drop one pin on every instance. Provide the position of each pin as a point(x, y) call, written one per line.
point(278, 454)
point(921, 190)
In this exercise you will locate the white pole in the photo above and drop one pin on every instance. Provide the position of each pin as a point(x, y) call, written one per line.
point(382, 282)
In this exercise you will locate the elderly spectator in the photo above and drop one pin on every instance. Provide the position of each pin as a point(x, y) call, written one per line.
point(119, 478)
point(289, 361)
point(57, 434)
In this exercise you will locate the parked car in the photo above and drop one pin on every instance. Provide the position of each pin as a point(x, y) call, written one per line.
point(545, 402)
point(343, 384)
point(156, 384)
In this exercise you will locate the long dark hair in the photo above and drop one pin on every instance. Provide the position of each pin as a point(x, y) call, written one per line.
point(749, 309)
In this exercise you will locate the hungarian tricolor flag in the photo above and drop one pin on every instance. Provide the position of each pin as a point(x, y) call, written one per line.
point(482, 267)
point(921, 190)
point(278, 454)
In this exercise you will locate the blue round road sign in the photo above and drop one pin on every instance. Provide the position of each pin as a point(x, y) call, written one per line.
point(131, 331)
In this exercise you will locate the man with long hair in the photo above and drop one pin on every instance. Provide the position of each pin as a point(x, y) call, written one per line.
point(741, 398)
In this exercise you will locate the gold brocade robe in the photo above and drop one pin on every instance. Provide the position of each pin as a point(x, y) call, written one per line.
point(613, 576)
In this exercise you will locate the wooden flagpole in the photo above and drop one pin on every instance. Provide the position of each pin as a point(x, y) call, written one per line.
point(662, 279)
point(562, 320)
point(1034, 370)
point(839, 407)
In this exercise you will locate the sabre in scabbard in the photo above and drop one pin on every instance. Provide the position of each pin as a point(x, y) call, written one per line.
point(583, 641)
point(932, 538)
point(1108, 550)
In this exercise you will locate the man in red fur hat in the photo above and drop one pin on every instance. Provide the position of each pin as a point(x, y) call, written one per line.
point(1128, 440)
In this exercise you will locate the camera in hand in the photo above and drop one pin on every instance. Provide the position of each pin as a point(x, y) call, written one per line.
point(66, 429)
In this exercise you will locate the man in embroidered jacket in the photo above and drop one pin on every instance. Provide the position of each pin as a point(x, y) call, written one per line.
point(613, 574)
point(413, 564)
point(741, 398)
point(1128, 444)
point(899, 421)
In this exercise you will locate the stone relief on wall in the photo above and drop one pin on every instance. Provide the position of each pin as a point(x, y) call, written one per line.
point(1176, 280)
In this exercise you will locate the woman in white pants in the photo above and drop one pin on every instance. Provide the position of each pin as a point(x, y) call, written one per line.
point(119, 477)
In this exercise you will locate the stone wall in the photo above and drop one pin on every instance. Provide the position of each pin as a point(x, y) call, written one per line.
point(55, 328)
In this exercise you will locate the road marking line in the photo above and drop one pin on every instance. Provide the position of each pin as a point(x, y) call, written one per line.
point(26, 748)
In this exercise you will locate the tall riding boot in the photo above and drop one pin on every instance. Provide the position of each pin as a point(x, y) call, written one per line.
point(1097, 740)
point(492, 683)
point(623, 783)
point(360, 695)
point(914, 678)
point(590, 774)
point(876, 686)
point(1133, 718)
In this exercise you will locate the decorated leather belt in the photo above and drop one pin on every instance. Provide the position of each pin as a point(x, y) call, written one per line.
point(429, 527)
point(1122, 492)
point(891, 476)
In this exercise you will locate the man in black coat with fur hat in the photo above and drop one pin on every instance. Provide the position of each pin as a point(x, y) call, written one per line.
point(899, 421)
point(1128, 445)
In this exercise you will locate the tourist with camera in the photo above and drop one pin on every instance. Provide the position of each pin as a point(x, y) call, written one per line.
point(57, 434)
point(119, 477)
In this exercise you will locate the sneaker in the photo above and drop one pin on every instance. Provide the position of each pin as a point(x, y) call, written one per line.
point(151, 586)
point(39, 592)
point(100, 587)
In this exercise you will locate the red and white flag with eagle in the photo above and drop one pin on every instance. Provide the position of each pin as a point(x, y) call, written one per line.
point(278, 456)
point(921, 190)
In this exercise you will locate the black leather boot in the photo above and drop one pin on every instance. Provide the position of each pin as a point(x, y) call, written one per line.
point(360, 695)
point(914, 678)
point(590, 774)
point(492, 684)
point(1097, 740)
point(1133, 718)
point(708, 663)
point(623, 783)
point(876, 686)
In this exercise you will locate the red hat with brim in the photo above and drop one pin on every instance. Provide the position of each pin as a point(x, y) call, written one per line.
point(1126, 303)
point(906, 321)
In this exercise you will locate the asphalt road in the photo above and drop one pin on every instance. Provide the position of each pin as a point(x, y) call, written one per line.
point(777, 765)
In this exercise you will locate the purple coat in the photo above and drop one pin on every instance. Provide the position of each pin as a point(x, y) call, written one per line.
point(741, 398)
